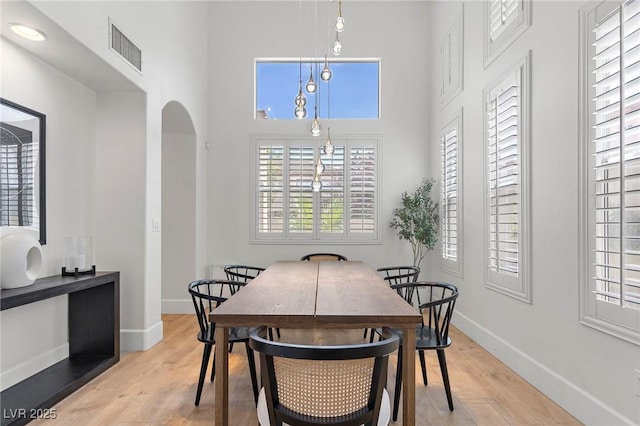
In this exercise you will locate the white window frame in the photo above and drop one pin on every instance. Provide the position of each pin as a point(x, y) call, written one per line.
point(604, 316)
point(508, 31)
point(316, 236)
point(518, 285)
point(451, 162)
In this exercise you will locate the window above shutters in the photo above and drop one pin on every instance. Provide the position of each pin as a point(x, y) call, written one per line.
point(504, 21)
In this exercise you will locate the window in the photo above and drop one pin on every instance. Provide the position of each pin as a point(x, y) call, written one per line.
point(288, 210)
point(504, 21)
point(610, 155)
point(451, 218)
point(354, 88)
point(506, 113)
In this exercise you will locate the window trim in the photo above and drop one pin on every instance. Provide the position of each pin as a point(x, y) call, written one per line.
point(449, 266)
point(602, 316)
point(337, 139)
point(517, 287)
point(522, 21)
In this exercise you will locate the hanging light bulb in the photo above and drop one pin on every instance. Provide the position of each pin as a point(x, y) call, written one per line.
point(316, 185)
point(300, 112)
point(300, 99)
point(328, 146)
point(319, 166)
point(339, 25)
point(311, 85)
point(336, 49)
point(325, 75)
point(314, 128)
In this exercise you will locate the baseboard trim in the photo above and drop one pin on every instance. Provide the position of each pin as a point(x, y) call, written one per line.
point(34, 365)
point(177, 306)
point(582, 405)
point(141, 340)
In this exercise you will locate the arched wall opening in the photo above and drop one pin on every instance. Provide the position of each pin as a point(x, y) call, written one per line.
point(178, 207)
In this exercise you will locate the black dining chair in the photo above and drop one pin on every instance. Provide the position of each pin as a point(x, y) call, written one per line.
point(242, 273)
point(306, 385)
point(396, 275)
point(319, 257)
point(206, 296)
point(435, 301)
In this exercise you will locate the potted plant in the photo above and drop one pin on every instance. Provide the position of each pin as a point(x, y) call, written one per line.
point(417, 220)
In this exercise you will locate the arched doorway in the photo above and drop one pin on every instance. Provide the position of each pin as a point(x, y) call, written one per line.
point(178, 207)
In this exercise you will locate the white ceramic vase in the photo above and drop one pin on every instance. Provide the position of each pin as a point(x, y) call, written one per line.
point(21, 255)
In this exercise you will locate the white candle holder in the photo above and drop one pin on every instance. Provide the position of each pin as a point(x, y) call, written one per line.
point(78, 256)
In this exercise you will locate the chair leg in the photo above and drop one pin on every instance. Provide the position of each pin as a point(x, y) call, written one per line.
point(230, 347)
point(270, 333)
point(203, 371)
point(445, 376)
point(396, 397)
point(364, 335)
point(213, 366)
point(424, 367)
point(278, 332)
point(372, 334)
point(252, 371)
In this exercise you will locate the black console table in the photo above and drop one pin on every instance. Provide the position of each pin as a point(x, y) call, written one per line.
point(94, 341)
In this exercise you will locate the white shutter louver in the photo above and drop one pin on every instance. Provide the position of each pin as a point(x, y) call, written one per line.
point(501, 14)
point(616, 156)
point(504, 188)
point(332, 195)
point(270, 189)
point(449, 195)
point(362, 186)
point(301, 171)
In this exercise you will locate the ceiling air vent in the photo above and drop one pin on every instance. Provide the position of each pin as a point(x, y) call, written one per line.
point(125, 47)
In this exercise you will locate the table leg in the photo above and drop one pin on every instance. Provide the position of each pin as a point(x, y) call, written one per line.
point(222, 377)
point(409, 376)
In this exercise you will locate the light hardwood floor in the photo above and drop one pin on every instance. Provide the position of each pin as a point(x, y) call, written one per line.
point(157, 387)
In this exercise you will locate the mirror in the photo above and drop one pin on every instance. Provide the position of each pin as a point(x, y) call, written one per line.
point(22, 168)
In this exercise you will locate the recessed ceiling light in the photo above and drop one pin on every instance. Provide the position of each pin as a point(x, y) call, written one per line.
point(28, 32)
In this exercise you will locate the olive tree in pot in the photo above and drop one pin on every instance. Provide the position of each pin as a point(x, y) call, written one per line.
point(417, 220)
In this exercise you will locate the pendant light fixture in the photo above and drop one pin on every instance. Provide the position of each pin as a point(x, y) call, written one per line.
point(319, 165)
point(336, 49)
point(314, 128)
point(339, 24)
point(325, 75)
point(311, 84)
point(328, 147)
point(300, 111)
point(316, 184)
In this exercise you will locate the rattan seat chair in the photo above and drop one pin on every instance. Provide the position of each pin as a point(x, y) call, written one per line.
point(435, 301)
point(318, 257)
point(323, 385)
point(207, 295)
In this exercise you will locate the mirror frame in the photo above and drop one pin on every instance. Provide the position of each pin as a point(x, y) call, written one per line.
point(42, 120)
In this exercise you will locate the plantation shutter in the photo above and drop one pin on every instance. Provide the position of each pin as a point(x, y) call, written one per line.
point(362, 189)
point(332, 196)
point(18, 159)
point(616, 153)
point(301, 171)
point(503, 178)
point(270, 189)
point(449, 195)
point(501, 14)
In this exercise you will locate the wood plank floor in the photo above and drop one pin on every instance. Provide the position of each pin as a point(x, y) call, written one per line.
point(158, 386)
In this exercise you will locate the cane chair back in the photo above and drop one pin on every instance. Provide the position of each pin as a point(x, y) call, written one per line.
point(319, 257)
point(328, 385)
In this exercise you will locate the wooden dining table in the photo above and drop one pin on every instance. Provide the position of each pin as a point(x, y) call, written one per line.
point(328, 294)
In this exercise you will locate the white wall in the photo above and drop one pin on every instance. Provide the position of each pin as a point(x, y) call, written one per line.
point(174, 68)
point(587, 372)
point(104, 158)
point(395, 32)
point(71, 115)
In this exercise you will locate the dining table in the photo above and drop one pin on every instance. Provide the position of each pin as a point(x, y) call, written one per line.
point(322, 295)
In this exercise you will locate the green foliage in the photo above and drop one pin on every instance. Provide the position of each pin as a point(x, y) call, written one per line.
point(417, 220)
